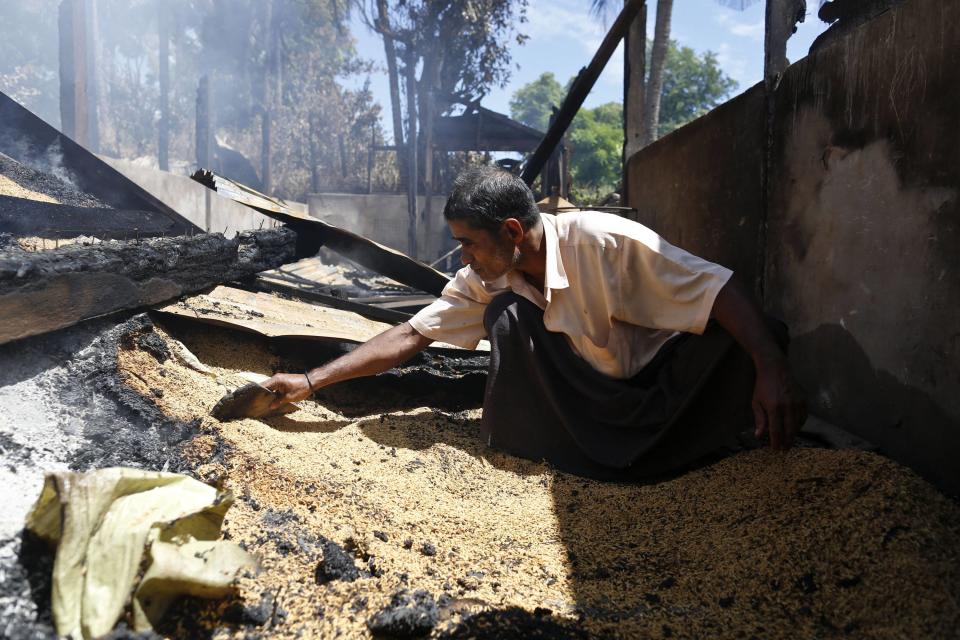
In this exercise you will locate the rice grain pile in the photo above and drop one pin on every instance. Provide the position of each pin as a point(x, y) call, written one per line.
point(352, 514)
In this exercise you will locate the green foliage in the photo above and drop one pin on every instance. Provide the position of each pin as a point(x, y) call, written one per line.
point(532, 103)
point(692, 85)
point(596, 136)
point(475, 36)
point(468, 41)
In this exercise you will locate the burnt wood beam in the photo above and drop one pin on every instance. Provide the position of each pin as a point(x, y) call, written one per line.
point(268, 285)
point(48, 290)
point(313, 233)
point(579, 90)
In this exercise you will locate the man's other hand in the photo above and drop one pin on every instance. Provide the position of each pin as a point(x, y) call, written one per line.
point(779, 406)
point(290, 387)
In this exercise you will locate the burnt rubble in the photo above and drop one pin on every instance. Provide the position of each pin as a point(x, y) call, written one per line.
point(47, 290)
point(409, 615)
point(76, 412)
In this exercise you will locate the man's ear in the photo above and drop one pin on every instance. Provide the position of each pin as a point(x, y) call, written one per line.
point(514, 229)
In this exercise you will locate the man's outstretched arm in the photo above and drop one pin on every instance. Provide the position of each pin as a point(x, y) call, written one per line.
point(778, 402)
point(381, 352)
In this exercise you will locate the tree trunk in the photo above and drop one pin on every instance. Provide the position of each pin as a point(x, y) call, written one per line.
point(75, 81)
point(266, 175)
point(271, 91)
point(93, 77)
point(342, 150)
point(371, 157)
point(205, 124)
point(391, 56)
point(432, 67)
point(412, 172)
point(314, 156)
point(658, 59)
point(163, 141)
point(780, 20)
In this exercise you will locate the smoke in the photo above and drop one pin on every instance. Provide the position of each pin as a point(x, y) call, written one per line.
point(47, 160)
point(280, 102)
point(51, 161)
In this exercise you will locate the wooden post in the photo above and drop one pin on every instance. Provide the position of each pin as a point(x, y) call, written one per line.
point(314, 156)
point(342, 150)
point(78, 104)
point(163, 133)
point(93, 111)
point(390, 51)
point(271, 97)
point(266, 175)
point(371, 156)
point(546, 175)
point(72, 84)
point(204, 137)
point(634, 81)
point(413, 182)
point(431, 75)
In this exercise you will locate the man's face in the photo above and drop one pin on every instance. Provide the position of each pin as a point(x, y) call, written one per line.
point(489, 254)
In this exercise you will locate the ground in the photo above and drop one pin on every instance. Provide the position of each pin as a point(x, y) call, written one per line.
point(359, 500)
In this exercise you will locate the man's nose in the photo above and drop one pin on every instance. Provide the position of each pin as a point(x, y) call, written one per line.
point(465, 258)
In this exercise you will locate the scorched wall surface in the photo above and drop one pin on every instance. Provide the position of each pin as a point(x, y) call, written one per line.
point(845, 195)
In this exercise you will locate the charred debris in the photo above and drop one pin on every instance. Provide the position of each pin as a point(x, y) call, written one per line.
point(85, 257)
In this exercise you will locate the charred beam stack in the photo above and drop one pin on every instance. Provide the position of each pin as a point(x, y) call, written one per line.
point(48, 290)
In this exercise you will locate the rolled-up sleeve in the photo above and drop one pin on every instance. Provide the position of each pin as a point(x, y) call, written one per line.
point(456, 317)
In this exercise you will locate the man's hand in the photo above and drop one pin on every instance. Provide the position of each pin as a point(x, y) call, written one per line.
point(381, 352)
point(779, 407)
point(290, 387)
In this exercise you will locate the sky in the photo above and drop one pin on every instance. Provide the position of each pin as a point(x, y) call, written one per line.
point(564, 36)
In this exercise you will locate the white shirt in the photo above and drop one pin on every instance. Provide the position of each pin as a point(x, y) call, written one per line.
point(613, 287)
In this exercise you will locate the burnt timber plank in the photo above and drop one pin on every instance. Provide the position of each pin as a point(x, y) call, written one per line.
point(270, 285)
point(275, 317)
point(48, 290)
point(22, 217)
point(395, 301)
point(32, 142)
point(315, 233)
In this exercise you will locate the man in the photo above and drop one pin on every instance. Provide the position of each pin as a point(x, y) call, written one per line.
point(604, 359)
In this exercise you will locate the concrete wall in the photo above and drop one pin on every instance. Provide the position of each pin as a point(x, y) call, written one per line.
point(380, 217)
point(383, 217)
point(710, 171)
point(195, 202)
point(858, 223)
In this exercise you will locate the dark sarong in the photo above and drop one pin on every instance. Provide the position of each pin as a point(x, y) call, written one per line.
point(544, 402)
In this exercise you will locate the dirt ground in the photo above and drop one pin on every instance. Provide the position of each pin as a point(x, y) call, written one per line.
point(350, 508)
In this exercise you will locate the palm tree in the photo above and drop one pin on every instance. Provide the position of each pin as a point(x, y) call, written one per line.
point(658, 59)
point(639, 132)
